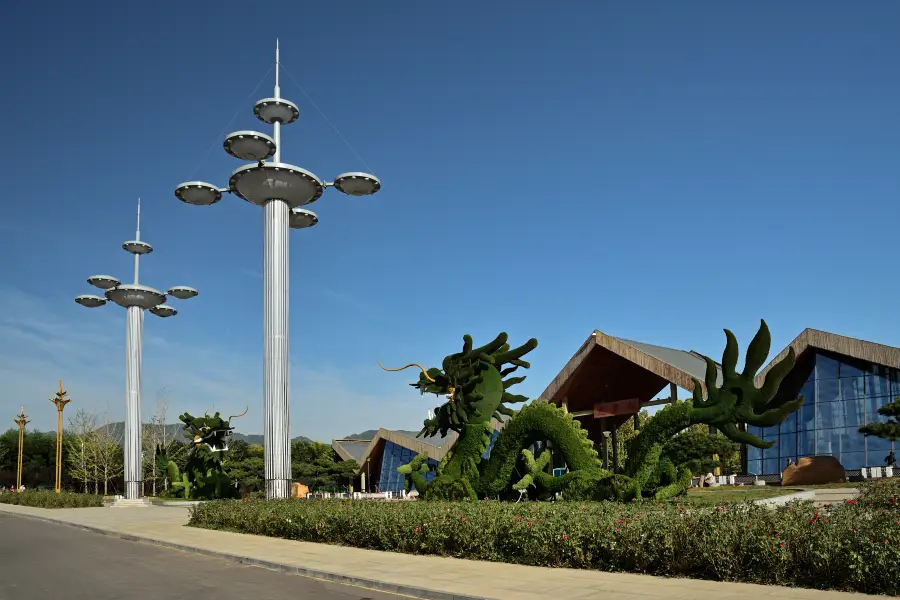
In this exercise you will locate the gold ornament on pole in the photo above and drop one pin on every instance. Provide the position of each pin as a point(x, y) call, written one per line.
point(60, 401)
point(21, 420)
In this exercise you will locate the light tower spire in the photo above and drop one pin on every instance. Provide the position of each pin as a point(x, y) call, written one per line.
point(277, 62)
point(137, 236)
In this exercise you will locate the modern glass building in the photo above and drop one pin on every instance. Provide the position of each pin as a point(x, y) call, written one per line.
point(841, 394)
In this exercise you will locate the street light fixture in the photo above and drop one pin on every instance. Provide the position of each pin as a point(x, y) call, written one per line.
point(282, 190)
point(136, 298)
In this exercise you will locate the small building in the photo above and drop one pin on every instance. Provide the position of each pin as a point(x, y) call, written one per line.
point(380, 457)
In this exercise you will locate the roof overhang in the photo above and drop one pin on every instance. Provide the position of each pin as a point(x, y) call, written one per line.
point(643, 366)
point(879, 354)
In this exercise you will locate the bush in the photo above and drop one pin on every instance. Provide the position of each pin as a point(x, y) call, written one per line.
point(880, 493)
point(848, 547)
point(50, 499)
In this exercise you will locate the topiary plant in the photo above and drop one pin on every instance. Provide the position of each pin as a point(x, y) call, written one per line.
point(475, 385)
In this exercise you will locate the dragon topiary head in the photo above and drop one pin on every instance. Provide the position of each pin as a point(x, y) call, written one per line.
point(473, 383)
point(212, 431)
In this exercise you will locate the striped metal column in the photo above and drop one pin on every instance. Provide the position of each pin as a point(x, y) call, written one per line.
point(132, 445)
point(276, 350)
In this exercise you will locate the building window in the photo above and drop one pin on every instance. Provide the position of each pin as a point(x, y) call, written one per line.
point(839, 397)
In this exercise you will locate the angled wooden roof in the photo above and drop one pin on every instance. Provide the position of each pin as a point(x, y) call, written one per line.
point(666, 364)
point(879, 354)
point(350, 449)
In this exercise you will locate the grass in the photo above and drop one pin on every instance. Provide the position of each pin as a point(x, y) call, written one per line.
point(720, 496)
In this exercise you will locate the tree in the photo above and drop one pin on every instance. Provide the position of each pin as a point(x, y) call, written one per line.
point(887, 430)
point(318, 466)
point(154, 435)
point(246, 465)
point(107, 456)
point(79, 444)
point(695, 448)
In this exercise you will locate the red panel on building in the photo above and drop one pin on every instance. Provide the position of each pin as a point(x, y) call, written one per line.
point(619, 407)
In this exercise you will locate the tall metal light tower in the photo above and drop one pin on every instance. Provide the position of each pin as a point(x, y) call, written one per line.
point(136, 298)
point(281, 189)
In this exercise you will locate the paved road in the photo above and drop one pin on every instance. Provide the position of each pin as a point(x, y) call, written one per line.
point(44, 561)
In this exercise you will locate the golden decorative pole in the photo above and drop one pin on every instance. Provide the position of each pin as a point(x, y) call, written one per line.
point(21, 420)
point(60, 401)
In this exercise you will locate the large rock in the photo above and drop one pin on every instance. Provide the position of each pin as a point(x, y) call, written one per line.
point(813, 470)
point(298, 490)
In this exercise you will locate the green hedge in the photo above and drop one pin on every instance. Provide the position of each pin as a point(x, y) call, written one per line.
point(50, 499)
point(880, 493)
point(848, 547)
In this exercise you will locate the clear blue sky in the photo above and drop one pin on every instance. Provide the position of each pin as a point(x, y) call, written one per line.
point(655, 170)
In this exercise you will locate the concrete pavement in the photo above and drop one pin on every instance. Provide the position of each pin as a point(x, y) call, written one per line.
point(42, 560)
point(418, 576)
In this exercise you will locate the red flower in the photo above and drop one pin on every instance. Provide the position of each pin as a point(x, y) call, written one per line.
point(851, 501)
point(529, 523)
point(781, 545)
point(776, 535)
point(748, 527)
point(565, 537)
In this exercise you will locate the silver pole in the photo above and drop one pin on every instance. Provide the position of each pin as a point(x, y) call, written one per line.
point(133, 359)
point(276, 342)
point(137, 236)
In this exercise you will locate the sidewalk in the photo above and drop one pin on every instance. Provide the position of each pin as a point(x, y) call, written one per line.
point(417, 576)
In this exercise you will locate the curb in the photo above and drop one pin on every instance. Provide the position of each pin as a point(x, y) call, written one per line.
point(373, 584)
point(782, 500)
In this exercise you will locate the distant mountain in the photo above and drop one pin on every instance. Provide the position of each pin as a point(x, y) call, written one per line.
point(370, 434)
point(175, 431)
point(257, 438)
point(365, 435)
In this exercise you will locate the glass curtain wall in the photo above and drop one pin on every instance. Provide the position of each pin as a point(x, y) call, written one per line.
point(840, 397)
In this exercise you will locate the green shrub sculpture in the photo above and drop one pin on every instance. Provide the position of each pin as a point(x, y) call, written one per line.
point(204, 476)
point(476, 381)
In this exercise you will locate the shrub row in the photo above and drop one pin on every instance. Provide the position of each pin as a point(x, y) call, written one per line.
point(853, 547)
point(50, 499)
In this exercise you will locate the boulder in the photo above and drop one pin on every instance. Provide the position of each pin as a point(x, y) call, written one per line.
point(813, 470)
point(298, 490)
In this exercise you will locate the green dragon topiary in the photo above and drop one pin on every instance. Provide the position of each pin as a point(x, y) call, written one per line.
point(475, 383)
point(204, 476)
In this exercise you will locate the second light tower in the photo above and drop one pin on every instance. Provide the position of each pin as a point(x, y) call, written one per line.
point(282, 190)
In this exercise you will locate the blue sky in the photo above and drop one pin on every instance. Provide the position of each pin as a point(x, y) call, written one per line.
point(655, 170)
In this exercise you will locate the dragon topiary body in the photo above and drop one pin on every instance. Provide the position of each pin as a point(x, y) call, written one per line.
point(476, 382)
point(204, 476)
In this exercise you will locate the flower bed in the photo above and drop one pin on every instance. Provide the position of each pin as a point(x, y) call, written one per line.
point(849, 547)
point(50, 499)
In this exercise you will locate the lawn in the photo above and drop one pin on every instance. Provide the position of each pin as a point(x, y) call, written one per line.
point(720, 496)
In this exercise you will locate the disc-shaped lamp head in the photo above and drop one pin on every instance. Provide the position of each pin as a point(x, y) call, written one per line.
point(137, 247)
point(142, 296)
point(90, 301)
point(249, 145)
point(163, 311)
point(258, 184)
point(182, 292)
point(357, 184)
point(302, 218)
point(104, 282)
point(272, 110)
point(198, 193)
